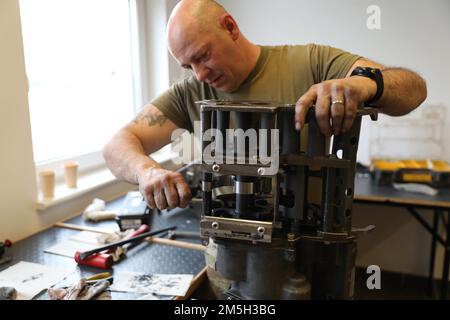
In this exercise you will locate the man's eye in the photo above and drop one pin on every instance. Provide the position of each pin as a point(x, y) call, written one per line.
point(205, 57)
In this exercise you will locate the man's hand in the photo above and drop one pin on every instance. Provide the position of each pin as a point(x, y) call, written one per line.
point(336, 103)
point(337, 100)
point(163, 188)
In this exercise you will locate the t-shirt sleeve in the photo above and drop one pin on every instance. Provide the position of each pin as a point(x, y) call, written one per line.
point(172, 103)
point(330, 63)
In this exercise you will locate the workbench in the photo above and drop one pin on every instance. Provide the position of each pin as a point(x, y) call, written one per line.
point(147, 257)
point(153, 258)
point(368, 192)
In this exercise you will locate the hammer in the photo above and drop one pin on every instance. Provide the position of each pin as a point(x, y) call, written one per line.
point(95, 257)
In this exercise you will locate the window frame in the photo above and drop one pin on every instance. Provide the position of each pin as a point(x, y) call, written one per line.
point(88, 162)
point(92, 161)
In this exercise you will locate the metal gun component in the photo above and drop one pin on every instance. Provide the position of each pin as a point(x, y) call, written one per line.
point(284, 231)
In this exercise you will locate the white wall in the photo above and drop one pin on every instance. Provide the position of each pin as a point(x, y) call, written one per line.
point(18, 218)
point(17, 189)
point(413, 34)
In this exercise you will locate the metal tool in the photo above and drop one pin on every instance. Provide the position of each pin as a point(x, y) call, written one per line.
point(84, 255)
point(104, 260)
point(99, 277)
point(157, 240)
point(276, 239)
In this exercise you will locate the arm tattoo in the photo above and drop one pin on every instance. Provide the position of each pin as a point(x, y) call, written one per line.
point(151, 118)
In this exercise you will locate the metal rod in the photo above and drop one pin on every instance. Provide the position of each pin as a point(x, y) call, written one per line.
point(444, 287)
point(163, 241)
point(86, 254)
point(316, 140)
point(328, 199)
point(425, 224)
point(444, 221)
point(433, 252)
point(207, 177)
point(223, 122)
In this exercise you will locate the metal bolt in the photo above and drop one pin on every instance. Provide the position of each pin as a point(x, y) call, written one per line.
point(290, 236)
point(261, 230)
point(215, 168)
point(215, 225)
point(261, 171)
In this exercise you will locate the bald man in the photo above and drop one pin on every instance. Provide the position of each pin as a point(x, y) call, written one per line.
point(205, 39)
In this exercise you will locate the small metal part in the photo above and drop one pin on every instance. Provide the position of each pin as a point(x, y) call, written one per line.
point(183, 234)
point(215, 167)
point(244, 187)
point(363, 230)
point(291, 236)
point(261, 171)
point(333, 236)
point(206, 185)
point(238, 229)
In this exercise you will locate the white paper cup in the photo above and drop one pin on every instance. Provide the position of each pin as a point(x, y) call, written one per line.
point(47, 183)
point(70, 173)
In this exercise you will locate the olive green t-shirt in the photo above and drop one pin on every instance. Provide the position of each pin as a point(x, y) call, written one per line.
point(282, 74)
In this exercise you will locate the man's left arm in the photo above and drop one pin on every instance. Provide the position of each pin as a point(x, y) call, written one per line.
point(337, 100)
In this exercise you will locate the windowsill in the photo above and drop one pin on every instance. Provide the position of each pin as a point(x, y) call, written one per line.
point(85, 184)
point(88, 183)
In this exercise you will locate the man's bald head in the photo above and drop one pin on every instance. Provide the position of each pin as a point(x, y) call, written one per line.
point(193, 17)
point(204, 37)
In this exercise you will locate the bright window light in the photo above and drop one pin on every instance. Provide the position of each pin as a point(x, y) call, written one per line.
point(78, 62)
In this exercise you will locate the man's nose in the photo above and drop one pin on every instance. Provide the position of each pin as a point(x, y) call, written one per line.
point(201, 72)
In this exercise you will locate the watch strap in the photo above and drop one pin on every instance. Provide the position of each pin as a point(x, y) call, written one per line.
point(374, 74)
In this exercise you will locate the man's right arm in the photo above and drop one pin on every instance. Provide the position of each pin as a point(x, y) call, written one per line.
point(126, 155)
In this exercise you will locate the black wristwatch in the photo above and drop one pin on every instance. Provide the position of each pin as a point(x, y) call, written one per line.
point(374, 74)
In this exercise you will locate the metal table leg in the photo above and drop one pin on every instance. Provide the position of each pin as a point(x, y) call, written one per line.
point(444, 286)
point(430, 290)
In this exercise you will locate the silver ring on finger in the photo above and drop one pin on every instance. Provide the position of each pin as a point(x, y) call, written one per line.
point(337, 101)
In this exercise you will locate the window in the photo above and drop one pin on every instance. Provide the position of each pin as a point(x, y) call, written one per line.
point(79, 66)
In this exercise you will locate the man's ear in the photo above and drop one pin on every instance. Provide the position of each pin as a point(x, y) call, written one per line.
point(227, 22)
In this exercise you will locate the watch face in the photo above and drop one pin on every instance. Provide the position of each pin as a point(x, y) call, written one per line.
point(366, 72)
point(373, 70)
